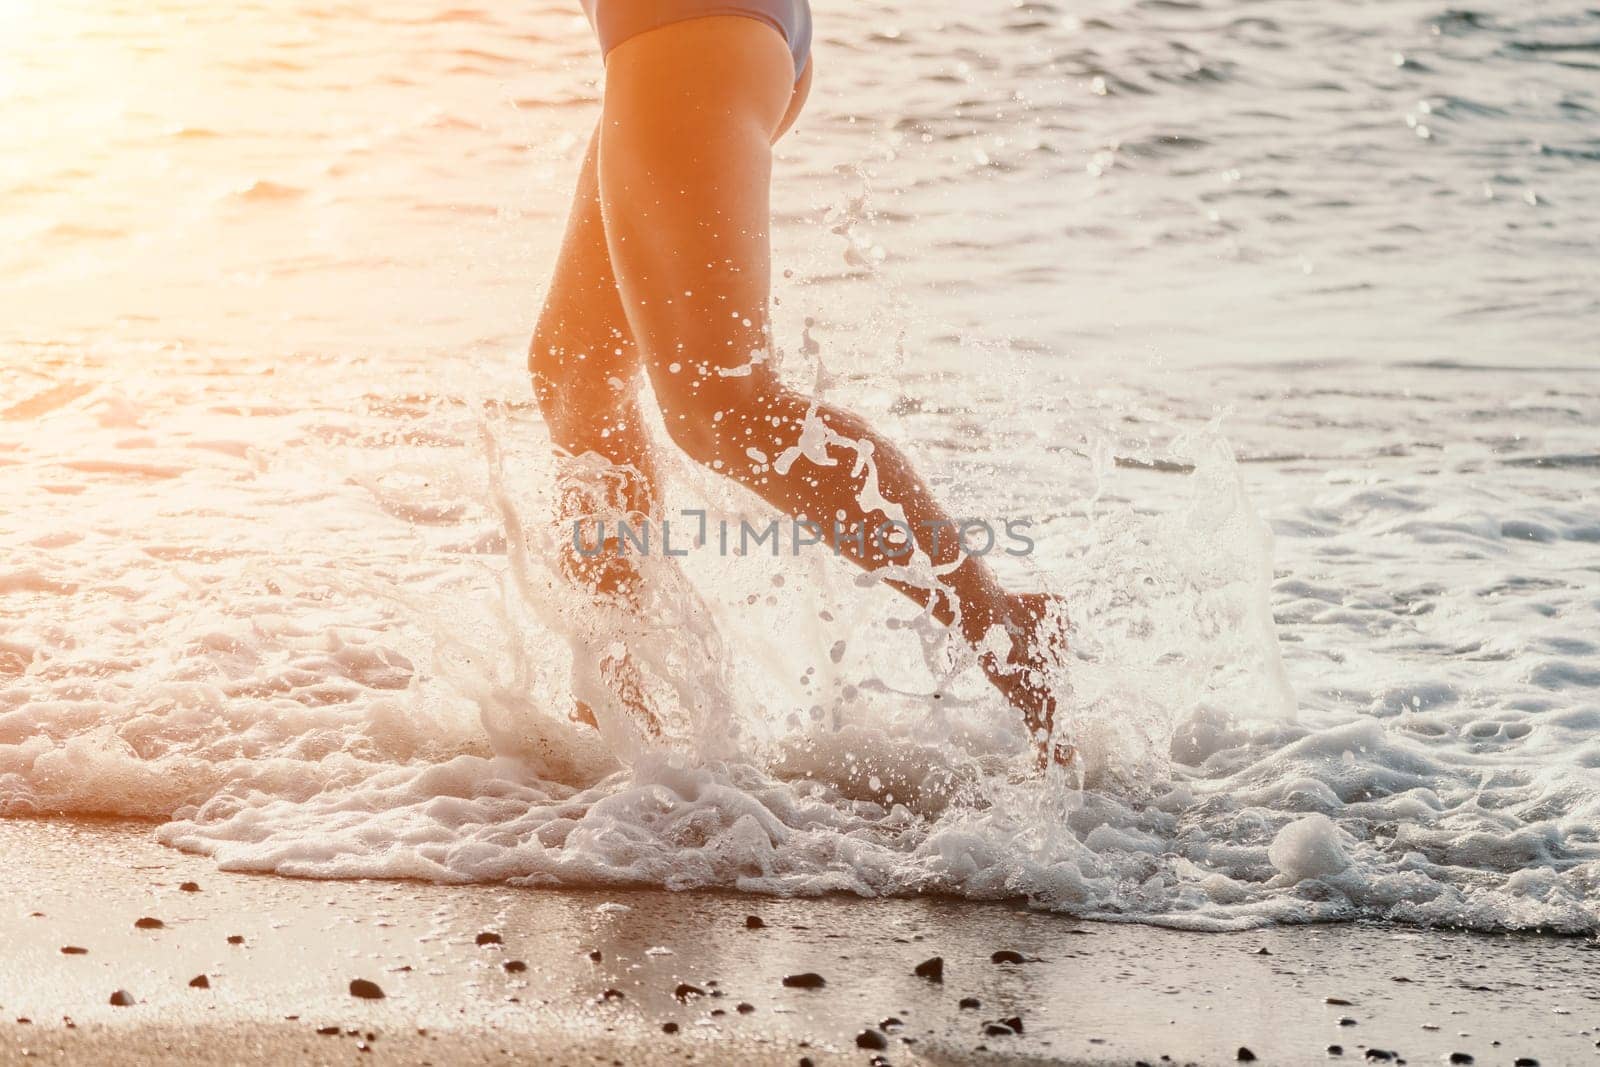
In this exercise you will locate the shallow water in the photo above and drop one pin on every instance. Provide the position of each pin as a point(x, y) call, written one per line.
point(1160, 276)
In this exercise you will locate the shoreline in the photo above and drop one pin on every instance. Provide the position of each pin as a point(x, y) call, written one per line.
point(1085, 993)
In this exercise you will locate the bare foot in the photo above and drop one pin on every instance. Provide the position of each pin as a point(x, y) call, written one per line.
point(1038, 629)
point(622, 678)
point(611, 576)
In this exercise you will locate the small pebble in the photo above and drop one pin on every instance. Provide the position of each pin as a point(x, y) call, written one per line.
point(328, 1031)
point(932, 969)
point(669, 1028)
point(121, 999)
point(147, 923)
point(805, 980)
point(997, 1030)
point(1336, 1050)
point(1525, 1061)
point(199, 981)
point(360, 987)
point(685, 991)
point(612, 994)
point(597, 955)
point(489, 937)
point(1379, 1055)
point(1244, 1055)
point(1336, 1000)
point(871, 1039)
point(1006, 955)
point(745, 1009)
point(73, 950)
point(1460, 1057)
point(754, 922)
point(1345, 1020)
point(189, 887)
point(235, 939)
point(968, 1002)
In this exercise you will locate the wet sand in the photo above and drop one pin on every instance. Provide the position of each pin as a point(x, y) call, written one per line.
point(1085, 993)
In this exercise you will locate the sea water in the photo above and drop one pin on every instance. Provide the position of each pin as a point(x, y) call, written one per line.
point(1277, 323)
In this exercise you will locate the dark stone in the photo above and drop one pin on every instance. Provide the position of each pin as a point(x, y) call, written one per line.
point(596, 955)
point(805, 980)
point(189, 887)
point(514, 966)
point(1015, 1022)
point(1380, 1055)
point(73, 950)
point(744, 1008)
point(805, 1061)
point(968, 1002)
point(1524, 1061)
point(890, 1023)
point(669, 1028)
point(685, 991)
point(1460, 1057)
point(147, 923)
point(121, 999)
point(1263, 951)
point(1345, 1020)
point(997, 1030)
point(1244, 1055)
point(932, 970)
point(1338, 1001)
point(612, 994)
point(871, 1039)
point(360, 987)
point(1336, 1050)
point(328, 1031)
point(1006, 955)
point(754, 922)
point(199, 981)
point(489, 937)
point(235, 939)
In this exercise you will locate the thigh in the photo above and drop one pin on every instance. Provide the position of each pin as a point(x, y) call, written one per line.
point(583, 330)
point(685, 164)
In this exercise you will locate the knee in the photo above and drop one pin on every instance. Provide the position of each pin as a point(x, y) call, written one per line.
point(719, 423)
point(579, 387)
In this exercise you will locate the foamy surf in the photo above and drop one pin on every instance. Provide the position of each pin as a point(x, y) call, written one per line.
point(340, 686)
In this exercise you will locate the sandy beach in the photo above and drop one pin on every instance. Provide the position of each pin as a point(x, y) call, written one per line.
point(1094, 993)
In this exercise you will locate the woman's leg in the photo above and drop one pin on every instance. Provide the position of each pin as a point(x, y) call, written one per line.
point(585, 366)
point(685, 162)
point(583, 357)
